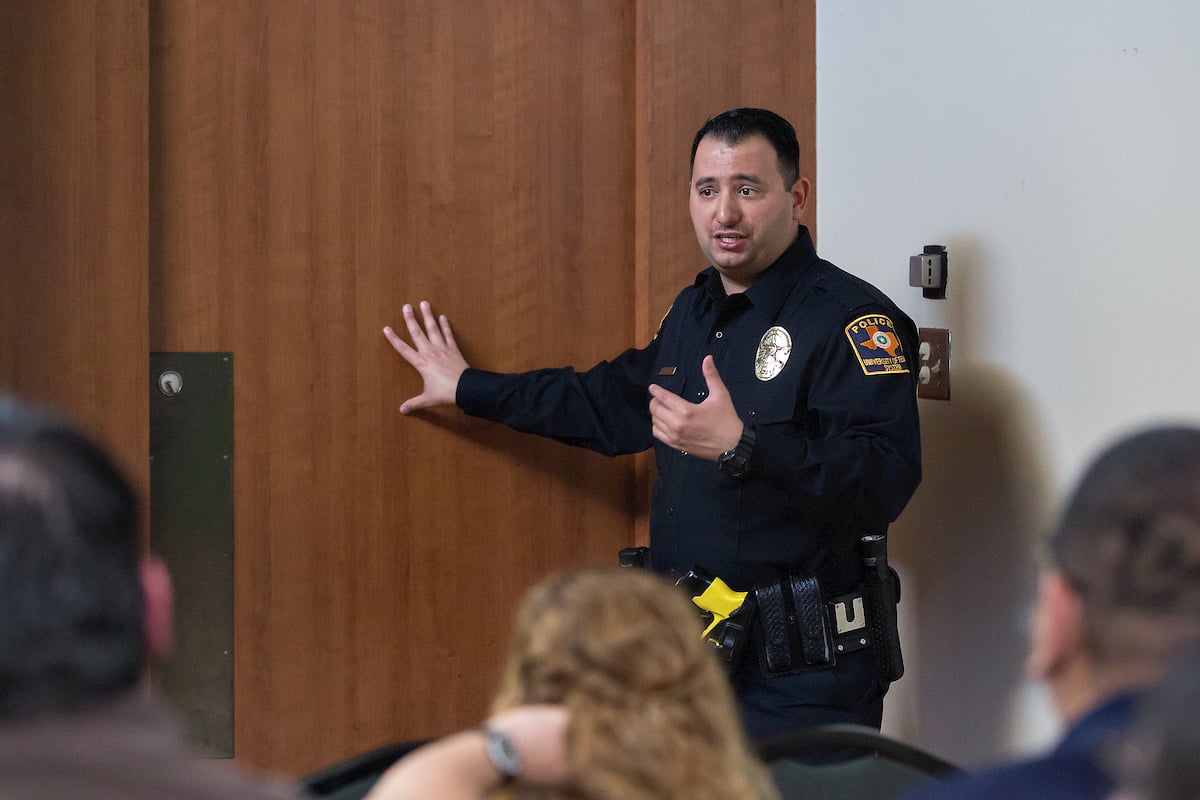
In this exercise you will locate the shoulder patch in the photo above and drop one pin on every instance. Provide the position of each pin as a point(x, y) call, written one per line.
point(876, 345)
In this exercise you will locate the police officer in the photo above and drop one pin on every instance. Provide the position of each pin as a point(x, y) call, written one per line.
point(778, 395)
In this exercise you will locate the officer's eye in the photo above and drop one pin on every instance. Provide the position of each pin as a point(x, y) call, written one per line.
point(707, 191)
point(746, 191)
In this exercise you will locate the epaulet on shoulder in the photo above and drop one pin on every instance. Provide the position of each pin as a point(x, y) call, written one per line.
point(850, 290)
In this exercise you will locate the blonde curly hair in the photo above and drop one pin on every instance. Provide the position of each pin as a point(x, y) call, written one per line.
point(652, 714)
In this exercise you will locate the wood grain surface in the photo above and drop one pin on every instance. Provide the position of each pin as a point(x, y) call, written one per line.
point(275, 179)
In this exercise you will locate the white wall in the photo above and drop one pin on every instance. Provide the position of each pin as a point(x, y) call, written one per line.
point(1054, 147)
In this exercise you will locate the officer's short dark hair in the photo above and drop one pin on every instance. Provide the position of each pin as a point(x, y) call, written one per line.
point(736, 124)
point(1129, 544)
point(71, 613)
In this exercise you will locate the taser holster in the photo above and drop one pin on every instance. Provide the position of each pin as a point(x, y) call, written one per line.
point(726, 614)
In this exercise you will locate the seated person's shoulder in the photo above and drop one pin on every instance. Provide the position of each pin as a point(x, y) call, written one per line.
point(1061, 777)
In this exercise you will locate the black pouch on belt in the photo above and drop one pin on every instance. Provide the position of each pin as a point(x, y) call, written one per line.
point(882, 586)
point(795, 627)
point(638, 557)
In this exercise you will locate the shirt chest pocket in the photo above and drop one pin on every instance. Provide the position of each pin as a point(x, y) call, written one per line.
point(671, 379)
point(761, 403)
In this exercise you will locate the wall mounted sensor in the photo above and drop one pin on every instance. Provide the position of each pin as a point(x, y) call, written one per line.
point(928, 271)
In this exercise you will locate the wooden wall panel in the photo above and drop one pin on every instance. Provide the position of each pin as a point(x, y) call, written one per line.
point(73, 215)
point(315, 166)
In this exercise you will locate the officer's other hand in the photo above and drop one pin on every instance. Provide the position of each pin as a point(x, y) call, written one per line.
point(434, 354)
point(704, 429)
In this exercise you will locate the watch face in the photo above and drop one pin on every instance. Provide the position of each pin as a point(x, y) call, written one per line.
point(733, 464)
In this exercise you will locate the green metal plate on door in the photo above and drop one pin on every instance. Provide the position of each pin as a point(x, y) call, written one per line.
point(191, 527)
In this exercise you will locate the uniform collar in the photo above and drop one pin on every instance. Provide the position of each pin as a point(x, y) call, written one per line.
point(1113, 716)
point(777, 282)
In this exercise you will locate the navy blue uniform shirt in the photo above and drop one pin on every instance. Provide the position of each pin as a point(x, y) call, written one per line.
point(837, 454)
point(818, 361)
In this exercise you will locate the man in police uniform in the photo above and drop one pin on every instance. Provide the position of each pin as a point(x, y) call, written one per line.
point(779, 397)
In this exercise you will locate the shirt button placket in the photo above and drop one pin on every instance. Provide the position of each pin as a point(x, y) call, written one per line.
point(716, 335)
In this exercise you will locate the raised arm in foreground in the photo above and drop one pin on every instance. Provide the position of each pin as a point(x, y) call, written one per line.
point(458, 767)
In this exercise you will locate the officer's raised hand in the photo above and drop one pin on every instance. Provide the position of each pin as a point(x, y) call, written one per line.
point(434, 354)
point(704, 429)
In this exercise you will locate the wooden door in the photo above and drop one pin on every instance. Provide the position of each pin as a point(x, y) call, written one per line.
point(316, 166)
point(274, 179)
point(73, 215)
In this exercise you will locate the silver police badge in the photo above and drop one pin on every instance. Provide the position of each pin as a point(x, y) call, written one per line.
point(773, 351)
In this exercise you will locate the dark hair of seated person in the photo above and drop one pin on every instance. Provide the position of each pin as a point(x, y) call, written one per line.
point(71, 631)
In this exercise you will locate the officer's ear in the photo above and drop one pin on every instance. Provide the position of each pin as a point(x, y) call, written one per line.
point(1057, 627)
point(799, 192)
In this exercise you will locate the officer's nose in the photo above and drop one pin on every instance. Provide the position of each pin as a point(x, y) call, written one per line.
point(728, 212)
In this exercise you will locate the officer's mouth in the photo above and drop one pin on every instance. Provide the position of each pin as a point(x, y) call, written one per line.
point(727, 240)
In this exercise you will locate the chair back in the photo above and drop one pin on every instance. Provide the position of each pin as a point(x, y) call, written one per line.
point(879, 767)
point(352, 778)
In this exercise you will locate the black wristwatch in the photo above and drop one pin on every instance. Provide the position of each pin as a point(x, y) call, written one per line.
point(502, 752)
point(736, 462)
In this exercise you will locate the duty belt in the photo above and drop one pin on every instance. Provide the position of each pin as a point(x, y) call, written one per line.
point(799, 628)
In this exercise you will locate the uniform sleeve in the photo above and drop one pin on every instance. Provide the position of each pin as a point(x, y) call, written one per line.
point(856, 454)
point(606, 408)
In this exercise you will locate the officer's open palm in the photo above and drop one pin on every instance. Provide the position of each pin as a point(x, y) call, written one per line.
point(704, 429)
point(434, 354)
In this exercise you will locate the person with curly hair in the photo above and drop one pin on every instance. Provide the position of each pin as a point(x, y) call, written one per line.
point(607, 693)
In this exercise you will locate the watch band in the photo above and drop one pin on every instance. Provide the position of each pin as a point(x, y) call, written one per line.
point(502, 753)
point(736, 462)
